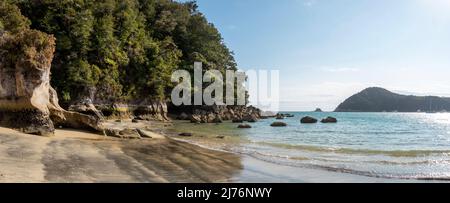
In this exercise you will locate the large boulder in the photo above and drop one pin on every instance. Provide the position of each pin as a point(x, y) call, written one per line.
point(308, 119)
point(244, 126)
point(278, 124)
point(329, 119)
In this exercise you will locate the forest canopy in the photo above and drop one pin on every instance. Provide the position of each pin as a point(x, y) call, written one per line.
point(119, 50)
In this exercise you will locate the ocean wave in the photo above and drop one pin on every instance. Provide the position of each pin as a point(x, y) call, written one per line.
point(327, 132)
point(347, 170)
point(308, 162)
point(339, 150)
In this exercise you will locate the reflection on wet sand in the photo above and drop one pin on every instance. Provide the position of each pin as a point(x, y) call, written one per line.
point(74, 156)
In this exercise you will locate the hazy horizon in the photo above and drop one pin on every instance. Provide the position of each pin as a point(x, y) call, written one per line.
point(328, 50)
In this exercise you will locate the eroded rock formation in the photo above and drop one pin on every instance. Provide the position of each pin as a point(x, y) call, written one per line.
point(27, 101)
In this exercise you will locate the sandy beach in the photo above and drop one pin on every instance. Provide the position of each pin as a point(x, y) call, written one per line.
point(74, 156)
point(77, 156)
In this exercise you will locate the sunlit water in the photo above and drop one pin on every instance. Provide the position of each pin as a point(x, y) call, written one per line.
point(388, 145)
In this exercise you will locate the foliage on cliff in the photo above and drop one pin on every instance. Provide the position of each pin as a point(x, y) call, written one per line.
point(120, 49)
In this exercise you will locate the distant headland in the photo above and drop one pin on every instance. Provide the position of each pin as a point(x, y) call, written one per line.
point(376, 99)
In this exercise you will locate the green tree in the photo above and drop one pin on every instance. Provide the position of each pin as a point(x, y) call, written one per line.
point(120, 49)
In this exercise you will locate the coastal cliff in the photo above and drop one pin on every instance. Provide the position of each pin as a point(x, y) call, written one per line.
point(27, 100)
point(76, 64)
point(114, 59)
point(376, 99)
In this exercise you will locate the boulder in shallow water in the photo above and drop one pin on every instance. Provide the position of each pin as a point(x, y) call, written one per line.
point(308, 119)
point(278, 124)
point(290, 115)
point(245, 126)
point(280, 117)
point(329, 119)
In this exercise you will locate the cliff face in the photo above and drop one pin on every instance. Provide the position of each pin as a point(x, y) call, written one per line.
point(378, 100)
point(116, 61)
point(27, 101)
point(25, 60)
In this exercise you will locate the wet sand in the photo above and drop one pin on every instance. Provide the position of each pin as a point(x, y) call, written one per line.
point(76, 156)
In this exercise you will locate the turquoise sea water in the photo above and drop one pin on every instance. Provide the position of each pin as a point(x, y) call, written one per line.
point(387, 145)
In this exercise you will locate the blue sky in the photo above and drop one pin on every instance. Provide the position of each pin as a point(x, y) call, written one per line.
point(326, 50)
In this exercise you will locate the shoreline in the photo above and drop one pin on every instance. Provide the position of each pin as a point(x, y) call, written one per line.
point(276, 169)
point(76, 156)
point(256, 170)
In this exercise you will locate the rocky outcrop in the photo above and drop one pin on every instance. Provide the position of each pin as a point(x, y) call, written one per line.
point(25, 60)
point(251, 118)
point(216, 114)
point(280, 117)
point(86, 107)
point(308, 119)
point(150, 110)
point(27, 101)
point(140, 110)
point(183, 116)
point(72, 119)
